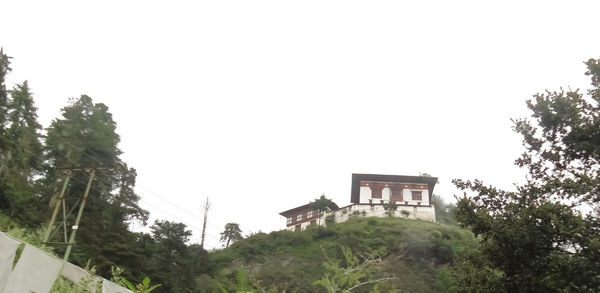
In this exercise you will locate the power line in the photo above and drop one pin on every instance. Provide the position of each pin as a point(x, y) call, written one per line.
point(157, 195)
point(165, 212)
point(153, 193)
point(100, 192)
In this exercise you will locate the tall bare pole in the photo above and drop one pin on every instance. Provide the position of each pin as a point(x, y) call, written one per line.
point(206, 207)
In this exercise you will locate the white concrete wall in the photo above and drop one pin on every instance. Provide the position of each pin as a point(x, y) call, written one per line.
point(426, 213)
point(385, 194)
point(365, 194)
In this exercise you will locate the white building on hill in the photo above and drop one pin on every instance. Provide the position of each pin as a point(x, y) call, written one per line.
point(371, 196)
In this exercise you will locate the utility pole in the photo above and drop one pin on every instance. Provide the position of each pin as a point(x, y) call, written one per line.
point(206, 207)
point(60, 200)
point(76, 226)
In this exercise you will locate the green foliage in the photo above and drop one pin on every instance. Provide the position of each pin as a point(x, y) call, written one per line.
point(4, 69)
point(330, 219)
point(85, 285)
point(232, 233)
point(62, 285)
point(286, 260)
point(535, 239)
point(242, 283)
point(349, 273)
point(20, 150)
point(143, 287)
point(242, 280)
point(321, 205)
point(171, 261)
point(84, 137)
point(445, 213)
point(390, 207)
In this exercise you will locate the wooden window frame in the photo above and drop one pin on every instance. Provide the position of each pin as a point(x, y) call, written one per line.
point(376, 190)
point(419, 196)
point(394, 196)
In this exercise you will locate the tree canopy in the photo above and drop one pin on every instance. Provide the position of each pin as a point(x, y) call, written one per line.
point(34, 164)
point(232, 233)
point(539, 238)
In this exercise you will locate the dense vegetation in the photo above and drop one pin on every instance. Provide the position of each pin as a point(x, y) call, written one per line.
point(543, 237)
point(34, 164)
point(414, 254)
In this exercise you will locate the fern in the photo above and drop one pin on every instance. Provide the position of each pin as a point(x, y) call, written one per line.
point(242, 280)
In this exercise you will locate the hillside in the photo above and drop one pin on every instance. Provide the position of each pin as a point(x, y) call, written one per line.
point(415, 253)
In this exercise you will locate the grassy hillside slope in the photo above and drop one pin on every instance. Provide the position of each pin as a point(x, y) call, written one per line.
point(415, 252)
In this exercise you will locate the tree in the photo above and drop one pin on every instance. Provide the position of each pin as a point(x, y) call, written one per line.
point(444, 212)
point(23, 131)
point(173, 263)
point(85, 137)
point(536, 239)
point(321, 205)
point(4, 69)
point(232, 233)
point(390, 207)
point(21, 158)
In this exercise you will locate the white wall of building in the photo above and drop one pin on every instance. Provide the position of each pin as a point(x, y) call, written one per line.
point(426, 213)
point(365, 194)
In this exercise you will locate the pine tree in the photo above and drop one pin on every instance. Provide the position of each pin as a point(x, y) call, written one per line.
point(22, 156)
point(4, 70)
point(23, 131)
point(85, 137)
point(231, 234)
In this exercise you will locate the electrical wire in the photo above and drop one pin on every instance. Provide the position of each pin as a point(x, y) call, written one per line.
point(98, 177)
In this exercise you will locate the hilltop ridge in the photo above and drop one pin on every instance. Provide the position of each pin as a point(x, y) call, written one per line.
point(415, 253)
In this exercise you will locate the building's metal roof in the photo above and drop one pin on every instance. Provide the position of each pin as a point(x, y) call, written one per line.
point(297, 210)
point(357, 178)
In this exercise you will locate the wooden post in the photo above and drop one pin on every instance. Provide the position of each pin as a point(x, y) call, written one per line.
point(206, 207)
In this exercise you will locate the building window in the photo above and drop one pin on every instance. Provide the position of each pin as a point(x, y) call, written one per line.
point(396, 193)
point(289, 220)
point(297, 228)
point(417, 195)
point(298, 217)
point(376, 190)
point(309, 214)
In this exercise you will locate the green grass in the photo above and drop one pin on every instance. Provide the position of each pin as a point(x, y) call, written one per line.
point(415, 251)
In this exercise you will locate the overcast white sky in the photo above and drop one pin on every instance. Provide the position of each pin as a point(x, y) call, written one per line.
point(265, 105)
